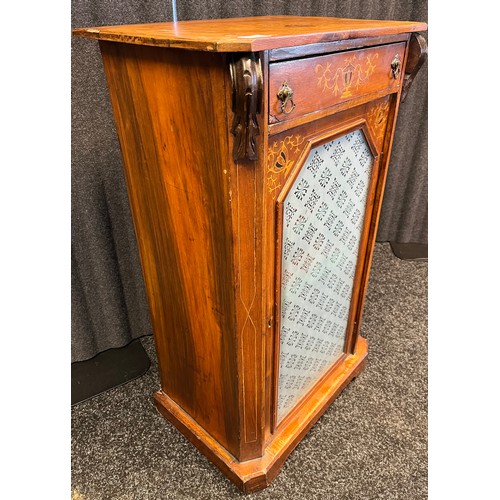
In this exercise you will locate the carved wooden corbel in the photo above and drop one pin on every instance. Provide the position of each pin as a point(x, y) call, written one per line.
point(246, 80)
point(417, 55)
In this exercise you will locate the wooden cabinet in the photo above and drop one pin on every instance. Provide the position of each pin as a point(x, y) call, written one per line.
point(255, 152)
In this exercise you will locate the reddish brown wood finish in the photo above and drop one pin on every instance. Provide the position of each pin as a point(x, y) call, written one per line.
point(246, 221)
point(316, 49)
point(207, 224)
point(254, 475)
point(248, 34)
point(276, 128)
point(182, 214)
point(196, 215)
point(321, 82)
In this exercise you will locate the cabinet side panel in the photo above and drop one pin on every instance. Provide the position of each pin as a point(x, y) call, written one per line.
point(171, 121)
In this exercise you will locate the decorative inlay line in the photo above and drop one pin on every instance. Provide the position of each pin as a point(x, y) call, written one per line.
point(280, 158)
point(377, 119)
point(353, 73)
point(247, 301)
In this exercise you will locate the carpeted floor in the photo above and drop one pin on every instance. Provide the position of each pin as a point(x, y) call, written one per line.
point(370, 444)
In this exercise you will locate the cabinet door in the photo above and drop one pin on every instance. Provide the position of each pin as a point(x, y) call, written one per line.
point(328, 173)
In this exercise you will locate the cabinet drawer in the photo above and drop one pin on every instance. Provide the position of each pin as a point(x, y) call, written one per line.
point(323, 81)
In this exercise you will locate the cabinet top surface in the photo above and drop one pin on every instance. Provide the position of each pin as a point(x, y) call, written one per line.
point(248, 33)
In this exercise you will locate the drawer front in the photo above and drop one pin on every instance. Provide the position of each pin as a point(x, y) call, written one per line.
point(323, 81)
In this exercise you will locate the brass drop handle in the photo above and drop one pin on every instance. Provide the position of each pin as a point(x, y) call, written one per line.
point(396, 67)
point(285, 95)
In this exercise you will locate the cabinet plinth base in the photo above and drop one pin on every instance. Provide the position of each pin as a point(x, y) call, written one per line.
point(254, 475)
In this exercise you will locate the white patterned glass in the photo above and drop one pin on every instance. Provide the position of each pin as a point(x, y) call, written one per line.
point(322, 224)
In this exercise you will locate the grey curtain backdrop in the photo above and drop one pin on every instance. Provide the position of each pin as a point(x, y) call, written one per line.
point(109, 305)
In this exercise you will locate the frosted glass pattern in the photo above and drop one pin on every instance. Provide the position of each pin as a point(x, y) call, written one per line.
point(322, 223)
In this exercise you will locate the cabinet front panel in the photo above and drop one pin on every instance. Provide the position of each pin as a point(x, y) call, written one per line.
point(320, 82)
point(323, 214)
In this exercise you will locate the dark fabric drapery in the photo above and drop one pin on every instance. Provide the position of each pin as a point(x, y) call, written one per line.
point(109, 305)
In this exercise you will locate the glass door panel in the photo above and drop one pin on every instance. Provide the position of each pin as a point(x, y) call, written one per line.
point(323, 215)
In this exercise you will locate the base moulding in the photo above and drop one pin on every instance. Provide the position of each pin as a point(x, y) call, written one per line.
point(254, 475)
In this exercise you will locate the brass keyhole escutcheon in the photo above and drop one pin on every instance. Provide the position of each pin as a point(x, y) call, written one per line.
point(396, 67)
point(285, 95)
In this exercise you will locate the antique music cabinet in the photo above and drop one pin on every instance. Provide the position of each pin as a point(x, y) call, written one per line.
point(255, 153)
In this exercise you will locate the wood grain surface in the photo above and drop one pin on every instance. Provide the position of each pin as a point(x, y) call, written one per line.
point(316, 49)
point(254, 475)
point(247, 233)
point(248, 33)
point(176, 169)
point(324, 81)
